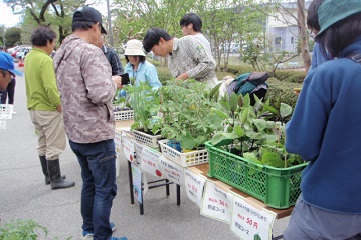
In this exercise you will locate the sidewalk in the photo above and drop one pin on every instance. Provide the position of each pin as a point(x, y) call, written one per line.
point(23, 194)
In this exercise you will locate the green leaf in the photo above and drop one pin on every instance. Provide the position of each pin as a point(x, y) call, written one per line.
point(220, 113)
point(272, 159)
point(244, 115)
point(260, 124)
point(271, 109)
point(285, 110)
point(239, 131)
point(252, 157)
point(233, 102)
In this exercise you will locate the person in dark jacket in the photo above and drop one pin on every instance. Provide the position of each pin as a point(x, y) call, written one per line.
point(114, 60)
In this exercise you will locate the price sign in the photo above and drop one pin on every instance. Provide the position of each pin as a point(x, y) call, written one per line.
point(128, 147)
point(137, 182)
point(138, 149)
point(194, 184)
point(171, 170)
point(118, 143)
point(216, 202)
point(149, 162)
point(250, 222)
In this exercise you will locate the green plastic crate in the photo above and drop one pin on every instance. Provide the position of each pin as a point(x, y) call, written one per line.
point(276, 187)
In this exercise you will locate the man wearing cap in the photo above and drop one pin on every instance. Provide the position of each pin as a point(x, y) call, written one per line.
point(7, 69)
point(87, 87)
point(325, 130)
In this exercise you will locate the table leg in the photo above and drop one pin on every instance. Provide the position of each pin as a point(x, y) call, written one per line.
point(131, 183)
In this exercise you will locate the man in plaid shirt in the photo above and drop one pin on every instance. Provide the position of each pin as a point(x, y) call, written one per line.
point(187, 57)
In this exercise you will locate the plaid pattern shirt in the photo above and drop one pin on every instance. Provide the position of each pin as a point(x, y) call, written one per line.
point(191, 57)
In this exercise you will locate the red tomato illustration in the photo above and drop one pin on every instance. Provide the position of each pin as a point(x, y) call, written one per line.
point(159, 173)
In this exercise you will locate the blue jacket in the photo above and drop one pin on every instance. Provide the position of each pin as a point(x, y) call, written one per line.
point(325, 130)
point(317, 57)
point(146, 72)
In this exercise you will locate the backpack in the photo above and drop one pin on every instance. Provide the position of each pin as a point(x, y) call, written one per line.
point(247, 82)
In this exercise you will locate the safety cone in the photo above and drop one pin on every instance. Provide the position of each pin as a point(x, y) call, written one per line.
point(21, 63)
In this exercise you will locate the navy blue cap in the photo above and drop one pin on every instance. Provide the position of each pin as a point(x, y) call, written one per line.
point(88, 14)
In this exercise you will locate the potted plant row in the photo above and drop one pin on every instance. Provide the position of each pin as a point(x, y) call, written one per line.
point(249, 153)
point(187, 121)
point(122, 108)
point(145, 102)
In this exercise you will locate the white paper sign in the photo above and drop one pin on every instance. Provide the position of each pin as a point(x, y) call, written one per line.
point(138, 148)
point(118, 143)
point(216, 203)
point(249, 222)
point(118, 150)
point(128, 148)
point(171, 171)
point(137, 182)
point(149, 162)
point(194, 184)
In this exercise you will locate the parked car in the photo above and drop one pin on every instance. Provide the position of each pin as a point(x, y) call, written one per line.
point(23, 54)
point(20, 54)
point(14, 49)
point(231, 48)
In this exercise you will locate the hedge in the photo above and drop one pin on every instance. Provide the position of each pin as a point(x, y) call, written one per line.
point(281, 85)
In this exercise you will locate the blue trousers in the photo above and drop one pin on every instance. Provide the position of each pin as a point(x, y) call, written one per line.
point(98, 171)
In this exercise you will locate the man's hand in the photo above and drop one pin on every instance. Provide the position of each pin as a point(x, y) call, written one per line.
point(118, 81)
point(183, 76)
point(58, 108)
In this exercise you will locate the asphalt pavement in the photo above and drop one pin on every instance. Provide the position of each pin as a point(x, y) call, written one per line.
point(24, 195)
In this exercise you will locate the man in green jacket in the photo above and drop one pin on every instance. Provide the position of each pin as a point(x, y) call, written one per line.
point(43, 102)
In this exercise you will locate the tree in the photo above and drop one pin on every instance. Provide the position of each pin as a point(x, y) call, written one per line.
point(49, 12)
point(12, 36)
point(2, 34)
point(228, 21)
point(281, 7)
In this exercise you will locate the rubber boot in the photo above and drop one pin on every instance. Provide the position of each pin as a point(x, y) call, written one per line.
point(56, 181)
point(44, 167)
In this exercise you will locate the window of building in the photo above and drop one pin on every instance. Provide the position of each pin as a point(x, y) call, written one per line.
point(278, 40)
point(292, 40)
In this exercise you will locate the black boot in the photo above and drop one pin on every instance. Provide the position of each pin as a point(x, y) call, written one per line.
point(44, 167)
point(55, 177)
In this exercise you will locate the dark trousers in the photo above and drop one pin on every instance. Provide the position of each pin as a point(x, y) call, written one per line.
point(9, 92)
point(260, 93)
point(98, 171)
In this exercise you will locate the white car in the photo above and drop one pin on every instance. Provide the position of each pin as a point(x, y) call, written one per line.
point(23, 51)
point(13, 49)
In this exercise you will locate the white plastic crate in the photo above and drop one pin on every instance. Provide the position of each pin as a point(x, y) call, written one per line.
point(6, 111)
point(146, 139)
point(124, 115)
point(195, 157)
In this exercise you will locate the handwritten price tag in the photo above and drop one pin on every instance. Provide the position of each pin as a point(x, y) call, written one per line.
point(194, 184)
point(249, 222)
point(118, 143)
point(149, 162)
point(171, 170)
point(128, 147)
point(216, 203)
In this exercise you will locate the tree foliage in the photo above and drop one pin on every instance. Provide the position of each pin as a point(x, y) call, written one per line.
point(298, 14)
point(56, 13)
point(12, 36)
